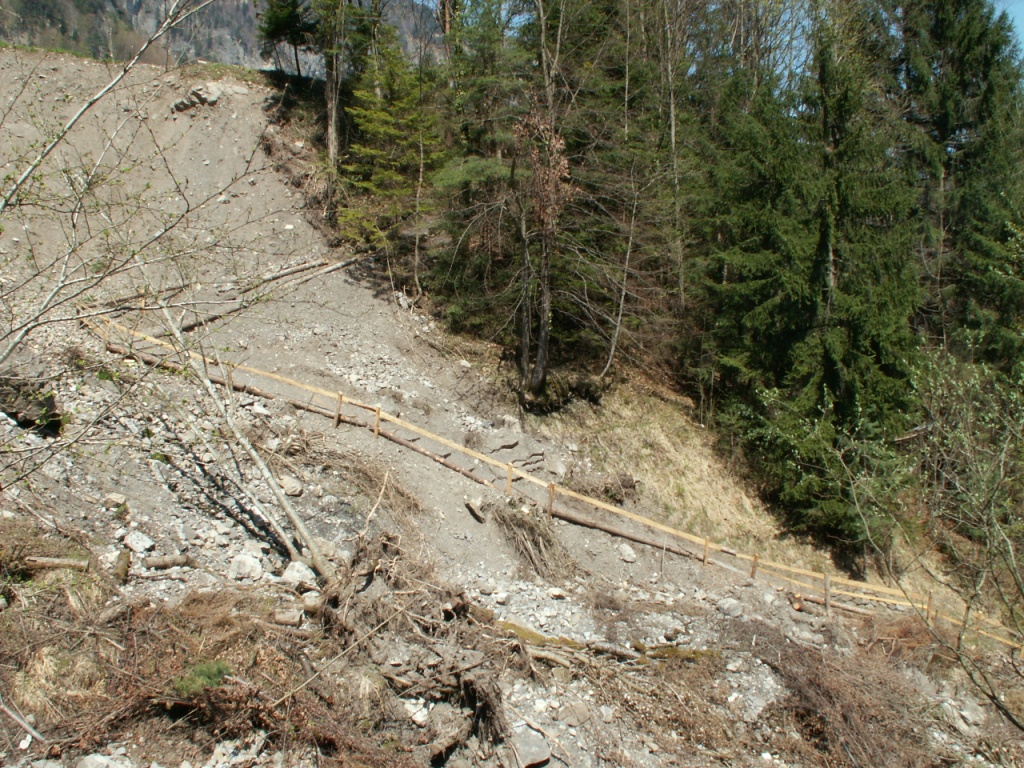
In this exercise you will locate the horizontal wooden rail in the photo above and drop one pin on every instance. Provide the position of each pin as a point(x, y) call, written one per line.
point(336, 399)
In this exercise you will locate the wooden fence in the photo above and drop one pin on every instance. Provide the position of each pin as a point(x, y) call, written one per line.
point(333, 405)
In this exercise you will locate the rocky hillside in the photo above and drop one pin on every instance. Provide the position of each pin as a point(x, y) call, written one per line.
point(162, 599)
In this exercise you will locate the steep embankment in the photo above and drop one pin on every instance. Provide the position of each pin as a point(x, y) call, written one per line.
point(486, 637)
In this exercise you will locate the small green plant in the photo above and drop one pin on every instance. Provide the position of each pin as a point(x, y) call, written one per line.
point(206, 674)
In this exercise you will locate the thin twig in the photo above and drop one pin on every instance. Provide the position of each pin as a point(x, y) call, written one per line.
point(21, 721)
point(369, 515)
point(336, 659)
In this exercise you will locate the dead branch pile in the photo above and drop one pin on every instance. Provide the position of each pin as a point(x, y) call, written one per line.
point(849, 710)
point(531, 535)
point(215, 665)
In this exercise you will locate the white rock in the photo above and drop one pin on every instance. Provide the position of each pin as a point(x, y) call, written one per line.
point(254, 548)
point(972, 713)
point(103, 761)
point(731, 607)
point(114, 500)
point(531, 748)
point(290, 485)
point(138, 542)
point(574, 714)
point(312, 603)
point(556, 593)
point(418, 711)
point(627, 553)
point(244, 567)
point(208, 93)
point(299, 574)
point(288, 617)
point(804, 636)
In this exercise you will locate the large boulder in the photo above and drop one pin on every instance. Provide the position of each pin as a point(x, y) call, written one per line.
point(29, 401)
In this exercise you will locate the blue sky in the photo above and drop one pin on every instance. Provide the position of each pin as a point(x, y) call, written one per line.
point(1016, 10)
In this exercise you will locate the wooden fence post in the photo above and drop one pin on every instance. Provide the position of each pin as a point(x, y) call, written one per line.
point(707, 546)
point(828, 593)
point(753, 566)
point(928, 611)
point(337, 409)
point(508, 480)
point(376, 423)
point(551, 498)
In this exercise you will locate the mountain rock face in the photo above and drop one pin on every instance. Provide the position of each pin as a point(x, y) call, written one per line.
point(224, 32)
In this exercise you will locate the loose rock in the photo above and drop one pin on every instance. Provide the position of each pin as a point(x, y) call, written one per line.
point(103, 761)
point(299, 575)
point(114, 500)
point(290, 486)
point(531, 747)
point(731, 607)
point(138, 542)
point(574, 714)
point(288, 618)
point(245, 567)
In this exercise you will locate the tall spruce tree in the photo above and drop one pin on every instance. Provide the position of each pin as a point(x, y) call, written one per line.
point(961, 76)
point(812, 285)
point(393, 129)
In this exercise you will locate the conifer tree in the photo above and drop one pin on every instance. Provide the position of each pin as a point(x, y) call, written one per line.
point(285, 21)
point(390, 121)
point(961, 77)
point(812, 286)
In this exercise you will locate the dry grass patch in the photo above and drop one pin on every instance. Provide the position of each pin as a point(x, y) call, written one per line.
point(682, 480)
point(669, 700)
point(842, 710)
point(292, 450)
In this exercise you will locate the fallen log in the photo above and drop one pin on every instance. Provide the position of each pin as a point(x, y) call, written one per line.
point(167, 561)
point(39, 563)
point(562, 514)
point(841, 606)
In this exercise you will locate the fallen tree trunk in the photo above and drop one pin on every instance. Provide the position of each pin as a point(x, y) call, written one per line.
point(562, 514)
point(39, 563)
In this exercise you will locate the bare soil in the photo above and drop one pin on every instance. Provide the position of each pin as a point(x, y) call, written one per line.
point(446, 640)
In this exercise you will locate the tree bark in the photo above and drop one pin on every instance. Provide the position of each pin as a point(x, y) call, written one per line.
point(539, 376)
point(332, 66)
point(525, 313)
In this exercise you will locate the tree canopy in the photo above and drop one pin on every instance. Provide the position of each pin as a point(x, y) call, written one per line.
point(785, 208)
